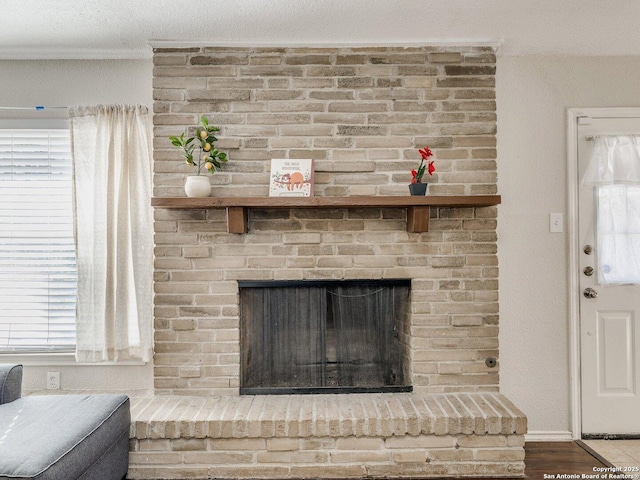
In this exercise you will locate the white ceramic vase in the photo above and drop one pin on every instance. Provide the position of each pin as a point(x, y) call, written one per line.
point(197, 186)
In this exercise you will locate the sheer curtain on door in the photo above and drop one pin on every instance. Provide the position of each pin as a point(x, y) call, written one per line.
point(113, 224)
point(614, 169)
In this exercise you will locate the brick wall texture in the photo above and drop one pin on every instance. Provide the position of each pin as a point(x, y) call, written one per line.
point(361, 114)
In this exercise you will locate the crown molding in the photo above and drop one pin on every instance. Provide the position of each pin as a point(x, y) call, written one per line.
point(491, 43)
point(146, 52)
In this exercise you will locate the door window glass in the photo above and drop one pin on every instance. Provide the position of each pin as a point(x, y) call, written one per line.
point(618, 234)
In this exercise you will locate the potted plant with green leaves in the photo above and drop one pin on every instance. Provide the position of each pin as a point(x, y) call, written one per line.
point(416, 187)
point(200, 153)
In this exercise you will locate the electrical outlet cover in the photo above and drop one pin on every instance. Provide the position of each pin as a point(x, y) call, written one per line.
point(53, 380)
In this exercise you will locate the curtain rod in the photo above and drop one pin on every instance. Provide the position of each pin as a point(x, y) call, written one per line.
point(37, 107)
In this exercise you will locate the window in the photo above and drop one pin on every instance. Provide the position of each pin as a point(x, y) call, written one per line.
point(618, 234)
point(38, 277)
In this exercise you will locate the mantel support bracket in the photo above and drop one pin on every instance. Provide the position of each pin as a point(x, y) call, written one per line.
point(237, 219)
point(418, 219)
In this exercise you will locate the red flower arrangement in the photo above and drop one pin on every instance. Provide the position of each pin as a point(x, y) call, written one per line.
point(416, 175)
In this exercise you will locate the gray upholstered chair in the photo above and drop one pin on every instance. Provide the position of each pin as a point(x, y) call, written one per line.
point(61, 437)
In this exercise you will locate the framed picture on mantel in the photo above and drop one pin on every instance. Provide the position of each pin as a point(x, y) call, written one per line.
point(291, 178)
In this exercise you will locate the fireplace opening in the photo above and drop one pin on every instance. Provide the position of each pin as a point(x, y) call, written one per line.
point(323, 336)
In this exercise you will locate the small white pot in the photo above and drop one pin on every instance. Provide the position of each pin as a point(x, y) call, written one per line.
point(197, 186)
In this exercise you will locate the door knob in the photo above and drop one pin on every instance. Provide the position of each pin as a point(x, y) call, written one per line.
point(588, 249)
point(588, 271)
point(590, 293)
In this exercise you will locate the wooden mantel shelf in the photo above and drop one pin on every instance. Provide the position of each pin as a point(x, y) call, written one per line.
point(418, 207)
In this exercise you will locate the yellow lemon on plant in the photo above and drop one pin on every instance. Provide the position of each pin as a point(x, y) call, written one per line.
point(208, 165)
point(207, 147)
point(204, 134)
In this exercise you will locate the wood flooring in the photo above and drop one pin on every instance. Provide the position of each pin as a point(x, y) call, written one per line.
point(557, 459)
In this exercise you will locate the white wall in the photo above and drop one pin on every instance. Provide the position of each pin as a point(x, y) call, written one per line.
point(74, 82)
point(533, 94)
point(77, 82)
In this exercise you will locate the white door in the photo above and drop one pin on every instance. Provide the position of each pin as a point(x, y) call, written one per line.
point(609, 314)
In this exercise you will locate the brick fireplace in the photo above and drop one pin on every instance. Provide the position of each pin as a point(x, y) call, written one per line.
point(361, 114)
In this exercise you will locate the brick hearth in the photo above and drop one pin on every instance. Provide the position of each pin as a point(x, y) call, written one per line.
point(324, 436)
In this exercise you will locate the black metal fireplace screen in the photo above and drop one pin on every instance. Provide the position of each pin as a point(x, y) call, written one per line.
point(323, 336)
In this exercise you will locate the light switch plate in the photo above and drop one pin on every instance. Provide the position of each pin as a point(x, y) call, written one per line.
point(556, 223)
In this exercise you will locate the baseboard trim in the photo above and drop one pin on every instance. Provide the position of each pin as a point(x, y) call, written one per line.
point(544, 436)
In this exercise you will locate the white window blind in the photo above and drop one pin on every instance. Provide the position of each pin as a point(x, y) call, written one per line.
point(38, 277)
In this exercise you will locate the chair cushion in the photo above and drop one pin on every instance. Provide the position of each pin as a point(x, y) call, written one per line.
point(61, 437)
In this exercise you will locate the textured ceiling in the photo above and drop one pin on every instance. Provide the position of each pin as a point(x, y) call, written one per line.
point(124, 28)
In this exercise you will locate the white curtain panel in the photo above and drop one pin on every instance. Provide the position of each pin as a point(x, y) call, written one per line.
point(618, 234)
point(615, 160)
point(111, 148)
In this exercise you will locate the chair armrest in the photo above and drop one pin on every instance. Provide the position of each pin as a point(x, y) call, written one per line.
point(10, 382)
